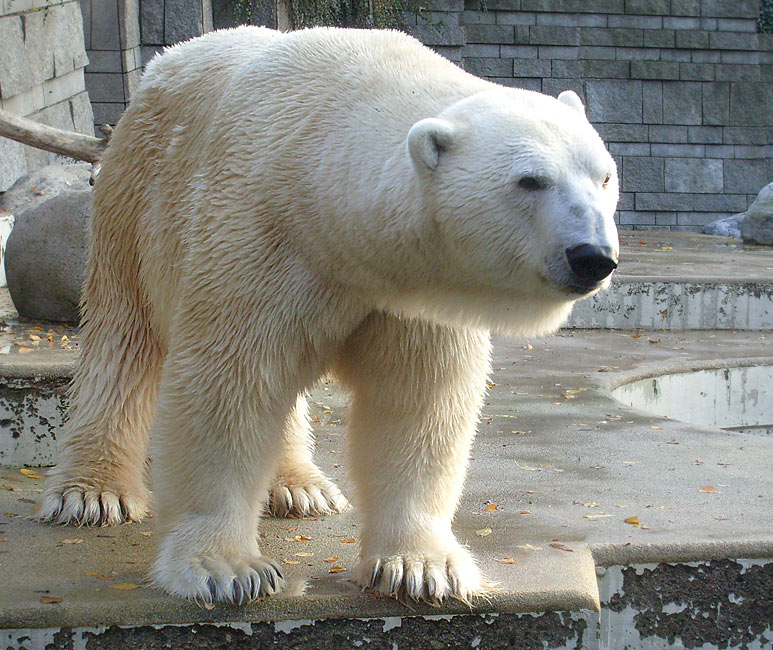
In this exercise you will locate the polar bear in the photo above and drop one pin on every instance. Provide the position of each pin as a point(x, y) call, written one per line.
point(273, 207)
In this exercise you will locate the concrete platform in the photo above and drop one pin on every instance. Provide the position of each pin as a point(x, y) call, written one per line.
point(613, 529)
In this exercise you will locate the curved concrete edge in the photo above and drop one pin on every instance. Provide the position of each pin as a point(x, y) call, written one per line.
point(605, 555)
point(658, 369)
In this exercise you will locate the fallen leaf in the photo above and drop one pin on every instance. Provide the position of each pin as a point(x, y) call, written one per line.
point(303, 554)
point(48, 600)
point(297, 538)
point(587, 504)
point(146, 534)
point(634, 521)
point(507, 560)
point(336, 569)
point(9, 514)
point(349, 540)
point(524, 512)
point(598, 516)
point(331, 559)
point(654, 427)
point(291, 562)
point(529, 547)
point(561, 547)
point(709, 489)
point(72, 540)
point(491, 507)
point(93, 574)
point(124, 586)
point(3, 539)
point(483, 532)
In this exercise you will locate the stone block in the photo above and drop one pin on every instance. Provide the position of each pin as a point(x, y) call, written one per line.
point(622, 132)
point(740, 58)
point(678, 150)
point(637, 54)
point(107, 112)
point(734, 9)
point(737, 25)
point(452, 52)
point(565, 68)
point(695, 219)
point(719, 151)
point(105, 87)
point(665, 219)
point(667, 134)
point(694, 175)
point(152, 22)
point(719, 202)
point(579, 6)
point(685, 7)
point(66, 38)
point(477, 50)
point(642, 174)
point(745, 176)
point(716, 103)
point(572, 20)
point(443, 35)
point(15, 66)
point(737, 73)
point(744, 135)
point(658, 37)
point(480, 17)
point(521, 82)
point(518, 51)
point(554, 87)
point(705, 56)
point(149, 51)
point(612, 37)
point(679, 22)
point(696, 71)
point(131, 80)
point(129, 23)
point(14, 162)
point(680, 56)
point(515, 18)
point(663, 201)
point(727, 227)
point(733, 41)
point(557, 52)
point(61, 88)
point(104, 25)
point(183, 19)
point(82, 114)
point(705, 134)
point(626, 201)
point(489, 67)
point(531, 68)
point(636, 22)
point(629, 149)
point(25, 103)
point(628, 218)
point(501, 34)
point(554, 35)
point(691, 39)
point(614, 101)
point(682, 103)
point(648, 7)
point(749, 151)
point(104, 61)
point(749, 105)
point(86, 13)
point(597, 53)
point(654, 70)
point(652, 102)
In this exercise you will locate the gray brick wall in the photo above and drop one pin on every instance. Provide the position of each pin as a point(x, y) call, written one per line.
point(681, 90)
point(42, 57)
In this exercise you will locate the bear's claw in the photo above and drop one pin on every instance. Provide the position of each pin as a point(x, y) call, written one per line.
point(322, 498)
point(83, 505)
point(422, 577)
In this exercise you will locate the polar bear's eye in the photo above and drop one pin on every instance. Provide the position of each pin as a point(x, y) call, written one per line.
point(532, 183)
point(607, 178)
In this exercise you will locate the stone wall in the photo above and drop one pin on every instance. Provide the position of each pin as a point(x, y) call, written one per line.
point(41, 76)
point(681, 90)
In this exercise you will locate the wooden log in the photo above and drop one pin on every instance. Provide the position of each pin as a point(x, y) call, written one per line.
point(40, 136)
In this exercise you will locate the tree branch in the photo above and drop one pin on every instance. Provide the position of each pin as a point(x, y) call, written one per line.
point(40, 136)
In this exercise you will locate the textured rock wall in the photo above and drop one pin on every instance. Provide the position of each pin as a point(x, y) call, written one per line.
point(42, 58)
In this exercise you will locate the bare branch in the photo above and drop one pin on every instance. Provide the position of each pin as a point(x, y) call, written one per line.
point(40, 136)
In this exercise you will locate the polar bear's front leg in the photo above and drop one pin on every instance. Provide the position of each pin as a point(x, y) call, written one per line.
point(418, 390)
point(218, 439)
point(300, 488)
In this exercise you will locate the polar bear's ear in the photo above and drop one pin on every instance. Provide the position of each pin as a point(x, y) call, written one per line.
point(427, 138)
point(570, 98)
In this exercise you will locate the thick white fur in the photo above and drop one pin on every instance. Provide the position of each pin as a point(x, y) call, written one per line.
point(262, 218)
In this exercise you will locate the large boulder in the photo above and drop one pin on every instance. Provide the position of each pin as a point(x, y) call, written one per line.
point(43, 184)
point(45, 257)
point(727, 227)
point(757, 227)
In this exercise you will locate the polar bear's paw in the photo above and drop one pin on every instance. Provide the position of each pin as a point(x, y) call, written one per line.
point(426, 577)
point(317, 495)
point(89, 503)
point(207, 580)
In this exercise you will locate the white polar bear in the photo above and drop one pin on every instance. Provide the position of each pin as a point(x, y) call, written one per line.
point(276, 206)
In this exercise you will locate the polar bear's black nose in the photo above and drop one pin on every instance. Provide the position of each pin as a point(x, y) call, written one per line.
point(591, 263)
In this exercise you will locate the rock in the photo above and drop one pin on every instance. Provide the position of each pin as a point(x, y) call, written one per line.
point(757, 227)
point(727, 227)
point(44, 183)
point(45, 257)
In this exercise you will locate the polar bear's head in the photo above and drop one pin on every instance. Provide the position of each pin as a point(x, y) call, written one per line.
point(522, 192)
